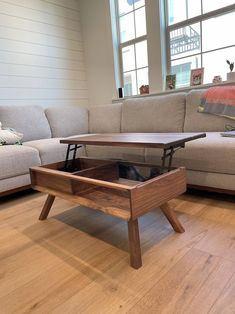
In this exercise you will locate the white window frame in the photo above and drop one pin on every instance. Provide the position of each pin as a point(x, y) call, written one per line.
point(190, 21)
point(128, 43)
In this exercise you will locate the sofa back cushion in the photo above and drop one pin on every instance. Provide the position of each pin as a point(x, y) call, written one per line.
point(154, 114)
point(105, 119)
point(29, 120)
point(201, 122)
point(67, 120)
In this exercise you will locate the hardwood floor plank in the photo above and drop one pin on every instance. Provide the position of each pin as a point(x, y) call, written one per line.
point(212, 288)
point(176, 290)
point(226, 301)
point(219, 241)
point(130, 285)
point(77, 260)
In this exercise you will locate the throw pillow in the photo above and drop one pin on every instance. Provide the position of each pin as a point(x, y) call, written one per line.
point(9, 136)
point(219, 100)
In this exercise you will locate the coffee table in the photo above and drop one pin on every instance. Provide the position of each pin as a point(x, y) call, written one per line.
point(98, 184)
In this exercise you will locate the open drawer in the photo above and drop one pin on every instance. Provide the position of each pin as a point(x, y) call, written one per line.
point(123, 189)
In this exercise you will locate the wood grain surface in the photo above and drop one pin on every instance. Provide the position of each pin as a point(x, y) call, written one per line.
point(155, 140)
point(77, 260)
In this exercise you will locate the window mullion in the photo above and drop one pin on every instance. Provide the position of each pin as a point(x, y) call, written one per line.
point(133, 41)
point(202, 17)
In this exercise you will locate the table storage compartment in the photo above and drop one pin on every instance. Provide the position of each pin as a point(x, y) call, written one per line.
point(123, 189)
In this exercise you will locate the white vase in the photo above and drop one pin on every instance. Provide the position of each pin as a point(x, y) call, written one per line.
point(231, 76)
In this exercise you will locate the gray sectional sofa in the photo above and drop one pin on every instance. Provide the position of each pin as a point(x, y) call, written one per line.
point(210, 161)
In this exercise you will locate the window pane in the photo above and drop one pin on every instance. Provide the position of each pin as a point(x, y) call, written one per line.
point(185, 41)
point(138, 3)
point(176, 11)
point(220, 26)
point(140, 22)
point(142, 77)
point(127, 28)
point(130, 87)
point(141, 54)
point(125, 6)
point(215, 63)
point(193, 8)
point(210, 5)
point(182, 68)
point(181, 10)
point(128, 58)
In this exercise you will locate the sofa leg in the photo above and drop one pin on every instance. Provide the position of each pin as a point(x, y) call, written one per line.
point(172, 218)
point(47, 207)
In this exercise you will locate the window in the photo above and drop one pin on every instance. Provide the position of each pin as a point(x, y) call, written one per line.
point(133, 45)
point(200, 34)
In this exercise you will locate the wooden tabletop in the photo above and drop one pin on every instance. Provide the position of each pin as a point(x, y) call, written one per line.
point(156, 140)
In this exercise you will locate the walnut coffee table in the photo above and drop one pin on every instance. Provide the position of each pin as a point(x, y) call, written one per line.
point(99, 184)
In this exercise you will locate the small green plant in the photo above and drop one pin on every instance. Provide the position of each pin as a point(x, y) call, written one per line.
point(231, 65)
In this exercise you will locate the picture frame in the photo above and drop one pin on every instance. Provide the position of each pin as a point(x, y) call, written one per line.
point(197, 77)
point(170, 81)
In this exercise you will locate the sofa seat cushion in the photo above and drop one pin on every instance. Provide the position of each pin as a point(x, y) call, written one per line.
point(131, 154)
point(51, 150)
point(31, 121)
point(154, 114)
point(214, 154)
point(67, 120)
point(15, 160)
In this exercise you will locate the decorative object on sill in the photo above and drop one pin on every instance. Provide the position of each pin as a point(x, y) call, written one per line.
point(144, 89)
point(170, 81)
point(120, 92)
point(197, 76)
point(219, 100)
point(231, 74)
point(217, 79)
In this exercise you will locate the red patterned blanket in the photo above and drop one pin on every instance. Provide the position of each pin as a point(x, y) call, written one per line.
point(219, 100)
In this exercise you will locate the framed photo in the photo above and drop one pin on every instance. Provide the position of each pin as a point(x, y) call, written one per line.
point(170, 81)
point(197, 76)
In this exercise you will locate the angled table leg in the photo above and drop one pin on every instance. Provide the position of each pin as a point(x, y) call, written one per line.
point(47, 207)
point(134, 244)
point(172, 218)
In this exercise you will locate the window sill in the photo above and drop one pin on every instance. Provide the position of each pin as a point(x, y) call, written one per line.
point(177, 90)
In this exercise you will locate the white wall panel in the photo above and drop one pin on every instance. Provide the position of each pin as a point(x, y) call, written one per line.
point(41, 53)
point(13, 81)
point(44, 102)
point(35, 71)
point(24, 47)
point(41, 93)
point(68, 4)
point(38, 27)
point(30, 14)
point(40, 61)
point(39, 39)
point(48, 8)
point(98, 46)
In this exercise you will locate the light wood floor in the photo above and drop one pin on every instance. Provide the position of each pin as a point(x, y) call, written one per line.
point(77, 261)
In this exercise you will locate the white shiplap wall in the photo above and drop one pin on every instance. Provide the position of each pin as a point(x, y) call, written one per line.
point(41, 53)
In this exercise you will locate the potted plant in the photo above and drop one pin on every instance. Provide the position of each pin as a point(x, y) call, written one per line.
point(231, 74)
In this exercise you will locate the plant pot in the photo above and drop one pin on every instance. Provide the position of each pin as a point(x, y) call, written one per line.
point(231, 76)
